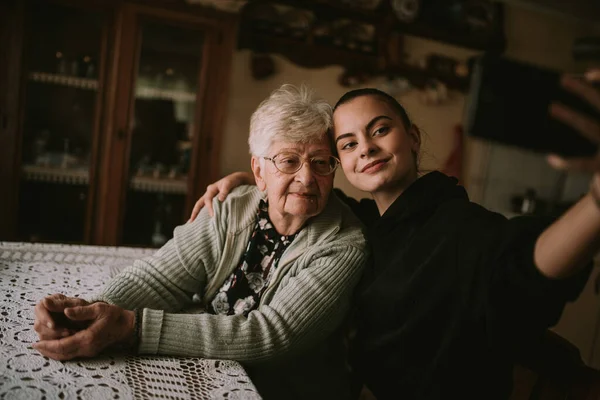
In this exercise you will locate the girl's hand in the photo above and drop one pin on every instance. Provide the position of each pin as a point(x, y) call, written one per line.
point(221, 189)
point(585, 125)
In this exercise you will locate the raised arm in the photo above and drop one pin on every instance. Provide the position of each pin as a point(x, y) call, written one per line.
point(571, 242)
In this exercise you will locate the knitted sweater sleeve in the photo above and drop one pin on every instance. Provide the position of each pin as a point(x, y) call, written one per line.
point(168, 279)
point(308, 305)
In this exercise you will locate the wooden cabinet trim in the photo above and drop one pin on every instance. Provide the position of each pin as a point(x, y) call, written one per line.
point(11, 40)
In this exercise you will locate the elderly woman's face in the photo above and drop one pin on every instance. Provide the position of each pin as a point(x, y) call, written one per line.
point(302, 194)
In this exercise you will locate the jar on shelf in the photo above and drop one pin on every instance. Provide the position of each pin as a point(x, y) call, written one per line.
point(61, 63)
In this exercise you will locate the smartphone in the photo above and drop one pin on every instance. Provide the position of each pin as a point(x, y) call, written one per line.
point(509, 102)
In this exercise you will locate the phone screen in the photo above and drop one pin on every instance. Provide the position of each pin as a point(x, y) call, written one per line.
point(509, 101)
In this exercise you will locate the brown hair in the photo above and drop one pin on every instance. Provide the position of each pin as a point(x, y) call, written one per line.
point(392, 102)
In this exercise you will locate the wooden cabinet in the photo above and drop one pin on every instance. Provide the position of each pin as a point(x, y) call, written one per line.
point(111, 116)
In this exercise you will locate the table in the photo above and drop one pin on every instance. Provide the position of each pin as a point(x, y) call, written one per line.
point(28, 272)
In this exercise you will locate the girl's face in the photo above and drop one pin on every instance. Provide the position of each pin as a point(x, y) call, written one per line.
point(376, 151)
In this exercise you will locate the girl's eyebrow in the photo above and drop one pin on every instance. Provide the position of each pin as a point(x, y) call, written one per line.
point(375, 120)
point(367, 127)
point(345, 135)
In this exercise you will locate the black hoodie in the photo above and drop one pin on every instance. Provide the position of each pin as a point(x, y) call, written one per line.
point(452, 297)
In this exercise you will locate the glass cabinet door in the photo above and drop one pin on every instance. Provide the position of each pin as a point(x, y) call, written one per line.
point(163, 123)
point(62, 60)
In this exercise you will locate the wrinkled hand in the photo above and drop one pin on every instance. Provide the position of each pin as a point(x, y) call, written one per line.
point(220, 189)
point(50, 321)
point(586, 126)
point(108, 325)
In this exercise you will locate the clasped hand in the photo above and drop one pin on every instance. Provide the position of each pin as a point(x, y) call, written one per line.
point(69, 327)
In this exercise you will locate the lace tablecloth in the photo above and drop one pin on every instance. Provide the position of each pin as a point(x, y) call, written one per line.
point(29, 272)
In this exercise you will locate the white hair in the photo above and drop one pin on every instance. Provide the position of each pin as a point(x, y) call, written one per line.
point(289, 114)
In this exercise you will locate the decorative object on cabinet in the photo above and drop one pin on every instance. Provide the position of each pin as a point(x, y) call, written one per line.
point(353, 36)
point(361, 4)
point(395, 86)
point(262, 66)
point(297, 22)
point(434, 93)
point(350, 78)
point(406, 10)
point(108, 120)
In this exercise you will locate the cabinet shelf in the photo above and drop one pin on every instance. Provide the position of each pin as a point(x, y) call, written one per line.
point(67, 176)
point(159, 185)
point(164, 94)
point(64, 80)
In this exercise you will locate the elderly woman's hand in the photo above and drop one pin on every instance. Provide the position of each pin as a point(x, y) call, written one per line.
point(108, 325)
point(222, 187)
point(585, 125)
point(50, 321)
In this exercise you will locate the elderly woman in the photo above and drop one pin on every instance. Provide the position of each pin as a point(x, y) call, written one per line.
point(273, 271)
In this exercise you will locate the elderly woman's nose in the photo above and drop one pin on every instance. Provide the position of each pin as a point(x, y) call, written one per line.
point(305, 174)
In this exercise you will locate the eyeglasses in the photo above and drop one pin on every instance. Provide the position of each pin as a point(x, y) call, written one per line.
point(290, 163)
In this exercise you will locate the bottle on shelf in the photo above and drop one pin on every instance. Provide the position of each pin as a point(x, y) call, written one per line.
point(88, 69)
point(158, 237)
point(61, 63)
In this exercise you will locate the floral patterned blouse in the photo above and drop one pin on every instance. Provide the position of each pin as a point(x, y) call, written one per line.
point(241, 292)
